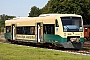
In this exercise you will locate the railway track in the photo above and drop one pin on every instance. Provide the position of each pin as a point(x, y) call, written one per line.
point(82, 51)
point(86, 44)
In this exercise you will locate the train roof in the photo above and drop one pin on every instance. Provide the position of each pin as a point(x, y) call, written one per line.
point(40, 16)
point(61, 15)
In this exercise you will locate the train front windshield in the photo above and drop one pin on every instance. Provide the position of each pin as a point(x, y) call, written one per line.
point(72, 24)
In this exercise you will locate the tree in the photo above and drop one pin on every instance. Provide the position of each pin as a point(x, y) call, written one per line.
point(2, 21)
point(80, 7)
point(34, 12)
point(6, 17)
point(2, 24)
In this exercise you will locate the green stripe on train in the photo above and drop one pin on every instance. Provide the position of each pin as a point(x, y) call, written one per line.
point(56, 38)
point(7, 35)
point(82, 39)
point(47, 38)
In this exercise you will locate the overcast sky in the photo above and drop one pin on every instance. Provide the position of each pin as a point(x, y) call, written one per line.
point(19, 7)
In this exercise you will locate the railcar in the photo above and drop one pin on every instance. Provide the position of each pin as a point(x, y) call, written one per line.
point(64, 30)
point(87, 32)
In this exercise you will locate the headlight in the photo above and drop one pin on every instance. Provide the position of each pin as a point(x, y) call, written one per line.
point(81, 29)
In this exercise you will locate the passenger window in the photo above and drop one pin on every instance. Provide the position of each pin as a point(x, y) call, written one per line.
point(32, 30)
point(8, 29)
point(19, 30)
point(27, 30)
point(56, 23)
point(48, 29)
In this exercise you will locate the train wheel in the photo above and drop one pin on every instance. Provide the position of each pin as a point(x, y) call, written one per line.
point(13, 42)
point(88, 38)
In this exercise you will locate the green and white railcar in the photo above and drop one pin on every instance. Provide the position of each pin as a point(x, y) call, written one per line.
point(61, 29)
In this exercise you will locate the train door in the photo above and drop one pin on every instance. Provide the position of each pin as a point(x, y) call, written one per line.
point(13, 31)
point(39, 34)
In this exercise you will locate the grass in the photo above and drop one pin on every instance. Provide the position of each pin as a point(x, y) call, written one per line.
point(14, 52)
